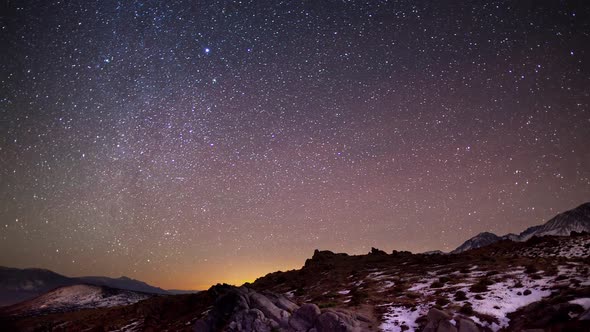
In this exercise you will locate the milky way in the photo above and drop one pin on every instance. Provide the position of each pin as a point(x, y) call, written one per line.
point(187, 143)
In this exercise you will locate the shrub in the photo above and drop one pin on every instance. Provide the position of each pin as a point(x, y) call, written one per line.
point(442, 301)
point(358, 296)
point(436, 284)
point(527, 292)
point(481, 286)
point(530, 269)
point(444, 280)
point(460, 296)
point(327, 305)
point(399, 288)
point(466, 309)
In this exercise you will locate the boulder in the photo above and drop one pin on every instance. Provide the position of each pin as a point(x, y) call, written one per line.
point(331, 321)
point(436, 315)
point(304, 317)
point(439, 321)
point(242, 309)
point(466, 325)
point(285, 304)
point(446, 326)
point(270, 310)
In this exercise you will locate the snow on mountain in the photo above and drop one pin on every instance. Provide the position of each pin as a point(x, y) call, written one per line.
point(478, 241)
point(18, 285)
point(76, 297)
point(575, 220)
point(21, 284)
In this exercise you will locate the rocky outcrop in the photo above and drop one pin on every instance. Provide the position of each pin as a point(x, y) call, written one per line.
point(323, 259)
point(440, 321)
point(243, 309)
point(375, 251)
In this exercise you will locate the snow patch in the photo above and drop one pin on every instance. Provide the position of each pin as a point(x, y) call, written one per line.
point(584, 302)
point(398, 316)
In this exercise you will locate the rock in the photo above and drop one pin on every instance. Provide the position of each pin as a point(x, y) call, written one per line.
point(362, 318)
point(270, 310)
point(286, 305)
point(375, 251)
point(305, 317)
point(466, 325)
point(438, 321)
point(331, 321)
point(201, 326)
point(310, 311)
point(242, 309)
point(436, 315)
point(446, 326)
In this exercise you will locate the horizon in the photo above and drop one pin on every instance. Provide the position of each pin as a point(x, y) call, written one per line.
point(186, 144)
point(239, 283)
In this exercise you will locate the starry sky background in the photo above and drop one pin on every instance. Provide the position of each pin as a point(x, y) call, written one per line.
point(186, 143)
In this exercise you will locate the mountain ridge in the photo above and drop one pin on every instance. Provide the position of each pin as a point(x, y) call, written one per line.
point(573, 220)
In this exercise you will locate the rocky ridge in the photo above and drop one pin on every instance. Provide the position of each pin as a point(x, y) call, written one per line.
point(244, 309)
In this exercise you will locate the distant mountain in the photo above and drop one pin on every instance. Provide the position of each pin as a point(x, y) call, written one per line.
point(21, 284)
point(123, 283)
point(478, 241)
point(18, 285)
point(76, 297)
point(575, 220)
point(563, 224)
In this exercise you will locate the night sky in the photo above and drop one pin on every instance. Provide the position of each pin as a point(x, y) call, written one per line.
point(186, 143)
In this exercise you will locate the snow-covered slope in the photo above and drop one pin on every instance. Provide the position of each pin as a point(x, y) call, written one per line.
point(478, 241)
point(17, 285)
point(575, 220)
point(76, 297)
